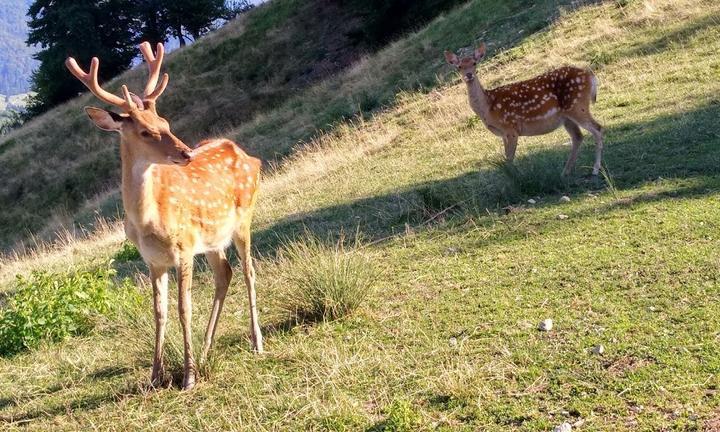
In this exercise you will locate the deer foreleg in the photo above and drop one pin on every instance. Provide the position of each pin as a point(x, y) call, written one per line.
point(185, 271)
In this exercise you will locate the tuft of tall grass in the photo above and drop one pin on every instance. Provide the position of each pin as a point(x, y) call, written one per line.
point(325, 280)
point(538, 174)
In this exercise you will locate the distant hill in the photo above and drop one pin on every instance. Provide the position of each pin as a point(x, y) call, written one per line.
point(17, 62)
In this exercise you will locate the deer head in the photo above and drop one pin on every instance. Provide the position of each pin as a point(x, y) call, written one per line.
point(140, 127)
point(467, 65)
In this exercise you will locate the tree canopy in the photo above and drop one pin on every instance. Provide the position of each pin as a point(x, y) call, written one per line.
point(110, 30)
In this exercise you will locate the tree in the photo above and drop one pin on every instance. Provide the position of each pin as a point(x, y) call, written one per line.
point(183, 19)
point(153, 25)
point(81, 29)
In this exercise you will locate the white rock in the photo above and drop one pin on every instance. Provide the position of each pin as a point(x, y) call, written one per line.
point(532, 201)
point(453, 342)
point(598, 349)
point(546, 325)
point(564, 198)
point(565, 427)
point(562, 216)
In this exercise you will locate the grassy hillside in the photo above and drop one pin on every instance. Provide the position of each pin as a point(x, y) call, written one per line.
point(466, 266)
point(270, 80)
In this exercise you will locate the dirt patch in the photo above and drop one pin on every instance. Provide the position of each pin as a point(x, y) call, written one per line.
point(626, 364)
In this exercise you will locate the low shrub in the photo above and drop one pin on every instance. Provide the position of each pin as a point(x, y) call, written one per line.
point(128, 252)
point(52, 307)
point(401, 417)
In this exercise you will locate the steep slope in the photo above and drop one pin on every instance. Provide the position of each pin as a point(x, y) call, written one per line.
point(269, 80)
point(447, 339)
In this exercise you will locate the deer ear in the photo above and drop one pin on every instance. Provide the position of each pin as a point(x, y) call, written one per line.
point(105, 120)
point(480, 52)
point(135, 98)
point(451, 58)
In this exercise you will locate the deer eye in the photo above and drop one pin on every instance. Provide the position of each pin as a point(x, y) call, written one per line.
point(474, 63)
point(146, 134)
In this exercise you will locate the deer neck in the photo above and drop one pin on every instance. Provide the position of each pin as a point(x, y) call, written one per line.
point(137, 187)
point(478, 98)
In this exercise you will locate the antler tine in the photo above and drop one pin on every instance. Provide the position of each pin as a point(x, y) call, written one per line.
point(154, 62)
point(91, 82)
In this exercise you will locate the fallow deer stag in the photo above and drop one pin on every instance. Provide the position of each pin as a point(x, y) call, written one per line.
point(535, 107)
point(178, 203)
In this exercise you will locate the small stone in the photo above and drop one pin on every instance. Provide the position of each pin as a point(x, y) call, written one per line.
point(562, 216)
point(598, 349)
point(453, 341)
point(546, 325)
point(564, 198)
point(532, 201)
point(565, 427)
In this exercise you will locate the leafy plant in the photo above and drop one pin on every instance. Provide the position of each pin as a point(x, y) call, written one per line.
point(401, 417)
point(327, 282)
point(52, 307)
point(128, 252)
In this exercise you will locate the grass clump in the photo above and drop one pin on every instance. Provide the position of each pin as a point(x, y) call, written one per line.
point(326, 281)
point(52, 307)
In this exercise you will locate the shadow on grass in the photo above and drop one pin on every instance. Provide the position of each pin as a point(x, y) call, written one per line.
point(83, 403)
point(19, 399)
point(667, 39)
point(684, 145)
point(69, 404)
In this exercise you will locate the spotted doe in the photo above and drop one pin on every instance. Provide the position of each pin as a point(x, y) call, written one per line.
point(536, 106)
point(178, 203)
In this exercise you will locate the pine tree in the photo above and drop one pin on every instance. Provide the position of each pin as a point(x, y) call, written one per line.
point(81, 29)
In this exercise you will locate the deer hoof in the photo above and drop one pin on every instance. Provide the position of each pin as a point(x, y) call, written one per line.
point(158, 378)
point(188, 382)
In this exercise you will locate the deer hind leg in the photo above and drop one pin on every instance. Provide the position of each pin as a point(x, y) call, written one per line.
point(185, 271)
point(586, 121)
point(242, 244)
point(597, 131)
point(159, 280)
point(576, 137)
point(510, 141)
point(222, 274)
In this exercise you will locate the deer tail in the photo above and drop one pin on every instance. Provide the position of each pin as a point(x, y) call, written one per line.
point(593, 86)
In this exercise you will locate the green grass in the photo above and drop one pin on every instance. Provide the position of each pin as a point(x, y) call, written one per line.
point(448, 339)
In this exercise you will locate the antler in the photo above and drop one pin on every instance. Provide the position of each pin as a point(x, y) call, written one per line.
point(91, 82)
point(152, 90)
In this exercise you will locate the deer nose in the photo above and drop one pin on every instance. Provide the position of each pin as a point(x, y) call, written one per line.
point(186, 155)
point(469, 75)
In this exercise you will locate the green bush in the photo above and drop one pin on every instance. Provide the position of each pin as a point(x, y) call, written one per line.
point(51, 307)
point(401, 417)
point(326, 281)
point(128, 252)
